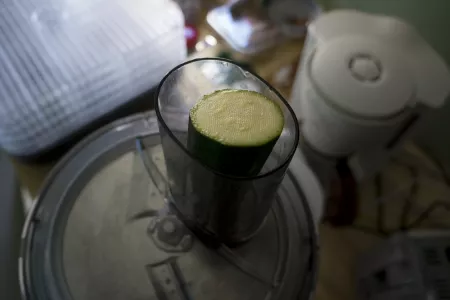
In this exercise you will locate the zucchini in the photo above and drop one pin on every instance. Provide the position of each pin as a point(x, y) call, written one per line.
point(234, 131)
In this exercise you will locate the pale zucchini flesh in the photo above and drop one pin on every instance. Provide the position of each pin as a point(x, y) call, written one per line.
point(234, 131)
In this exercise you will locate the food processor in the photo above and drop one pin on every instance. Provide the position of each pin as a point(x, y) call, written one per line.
point(105, 226)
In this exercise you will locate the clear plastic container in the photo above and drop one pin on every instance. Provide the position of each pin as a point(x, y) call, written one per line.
point(67, 63)
point(224, 208)
point(248, 35)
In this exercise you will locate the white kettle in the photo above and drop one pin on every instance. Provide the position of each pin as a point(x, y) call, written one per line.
point(363, 83)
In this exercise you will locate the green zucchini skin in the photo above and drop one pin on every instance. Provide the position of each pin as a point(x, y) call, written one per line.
point(229, 160)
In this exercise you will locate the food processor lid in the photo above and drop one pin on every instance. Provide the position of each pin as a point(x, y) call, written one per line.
point(375, 66)
point(104, 228)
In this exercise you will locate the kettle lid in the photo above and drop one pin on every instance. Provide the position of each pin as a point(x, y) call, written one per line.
point(375, 66)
